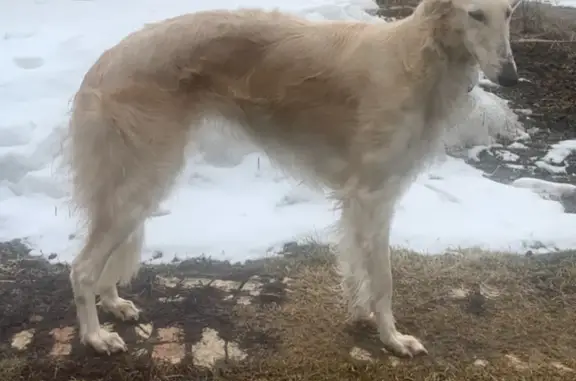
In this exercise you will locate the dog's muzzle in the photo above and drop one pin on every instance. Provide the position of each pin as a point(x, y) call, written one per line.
point(508, 75)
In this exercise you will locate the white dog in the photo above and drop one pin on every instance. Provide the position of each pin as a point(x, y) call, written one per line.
point(351, 105)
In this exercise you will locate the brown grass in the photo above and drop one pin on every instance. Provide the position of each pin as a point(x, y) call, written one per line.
point(482, 316)
point(544, 20)
point(465, 307)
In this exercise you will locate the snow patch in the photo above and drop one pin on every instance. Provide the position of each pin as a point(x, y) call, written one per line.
point(547, 189)
point(551, 168)
point(560, 151)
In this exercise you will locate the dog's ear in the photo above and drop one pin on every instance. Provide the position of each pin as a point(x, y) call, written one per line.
point(437, 7)
point(466, 5)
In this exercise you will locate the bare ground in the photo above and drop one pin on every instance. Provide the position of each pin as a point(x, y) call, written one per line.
point(482, 316)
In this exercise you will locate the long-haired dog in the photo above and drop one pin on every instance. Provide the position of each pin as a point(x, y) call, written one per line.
point(354, 106)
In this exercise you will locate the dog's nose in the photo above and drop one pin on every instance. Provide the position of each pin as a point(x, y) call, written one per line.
point(508, 75)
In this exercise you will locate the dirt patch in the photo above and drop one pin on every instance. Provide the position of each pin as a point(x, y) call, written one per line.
point(189, 318)
point(482, 317)
point(545, 104)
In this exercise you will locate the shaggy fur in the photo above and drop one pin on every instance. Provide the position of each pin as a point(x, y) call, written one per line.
point(350, 105)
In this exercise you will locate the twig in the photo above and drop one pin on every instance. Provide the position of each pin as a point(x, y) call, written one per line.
point(529, 40)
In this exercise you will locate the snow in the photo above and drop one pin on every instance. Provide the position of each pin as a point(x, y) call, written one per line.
point(546, 189)
point(551, 168)
point(474, 152)
point(517, 145)
point(229, 205)
point(560, 151)
point(564, 3)
point(507, 156)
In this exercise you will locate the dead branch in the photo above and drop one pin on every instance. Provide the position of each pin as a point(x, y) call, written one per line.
point(542, 40)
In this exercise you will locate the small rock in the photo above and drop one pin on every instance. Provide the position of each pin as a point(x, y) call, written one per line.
point(225, 285)
point(458, 293)
point(394, 361)
point(244, 301)
point(480, 362)
point(36, 319)
point(360, 354)
point(171, 299)
point(253, 287)
point(562, 367)
point(195, 282)
point(516, 362)
point(22, 339)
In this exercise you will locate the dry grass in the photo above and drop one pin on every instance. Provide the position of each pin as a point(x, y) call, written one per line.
point(544, 20)
point(10, 367)
point(482, 316)
point(467, 309)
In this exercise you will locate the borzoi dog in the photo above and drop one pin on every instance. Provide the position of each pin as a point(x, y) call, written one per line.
point(354, 106)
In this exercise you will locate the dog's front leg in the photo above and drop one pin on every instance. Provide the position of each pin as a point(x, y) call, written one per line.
point(377, 251)
point(367, 217)
point(355, 283)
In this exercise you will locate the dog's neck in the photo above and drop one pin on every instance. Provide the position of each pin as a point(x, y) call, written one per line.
point(440, 56)
point(440, 47)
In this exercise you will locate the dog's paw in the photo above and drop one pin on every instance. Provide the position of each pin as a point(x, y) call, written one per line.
point(404, 345)
point(121, 308)
point(104, 341)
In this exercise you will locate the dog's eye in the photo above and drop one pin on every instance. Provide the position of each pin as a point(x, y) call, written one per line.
point(477, 15)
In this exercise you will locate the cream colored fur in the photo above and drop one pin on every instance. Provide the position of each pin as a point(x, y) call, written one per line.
point(350, 105)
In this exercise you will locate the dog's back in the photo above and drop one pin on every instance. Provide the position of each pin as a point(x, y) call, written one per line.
point(264, 50)
point(284, 79)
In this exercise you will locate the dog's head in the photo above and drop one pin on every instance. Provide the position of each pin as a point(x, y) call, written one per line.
point(481, 28)
point(485, 28)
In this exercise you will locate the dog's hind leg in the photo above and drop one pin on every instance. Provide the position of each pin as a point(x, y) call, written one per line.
point(120, 268)
point(111, 253)
point(104, 241)
point(366, 219)
point(124, 159)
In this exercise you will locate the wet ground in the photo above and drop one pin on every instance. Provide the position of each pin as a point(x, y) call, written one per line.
point(546, 104)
